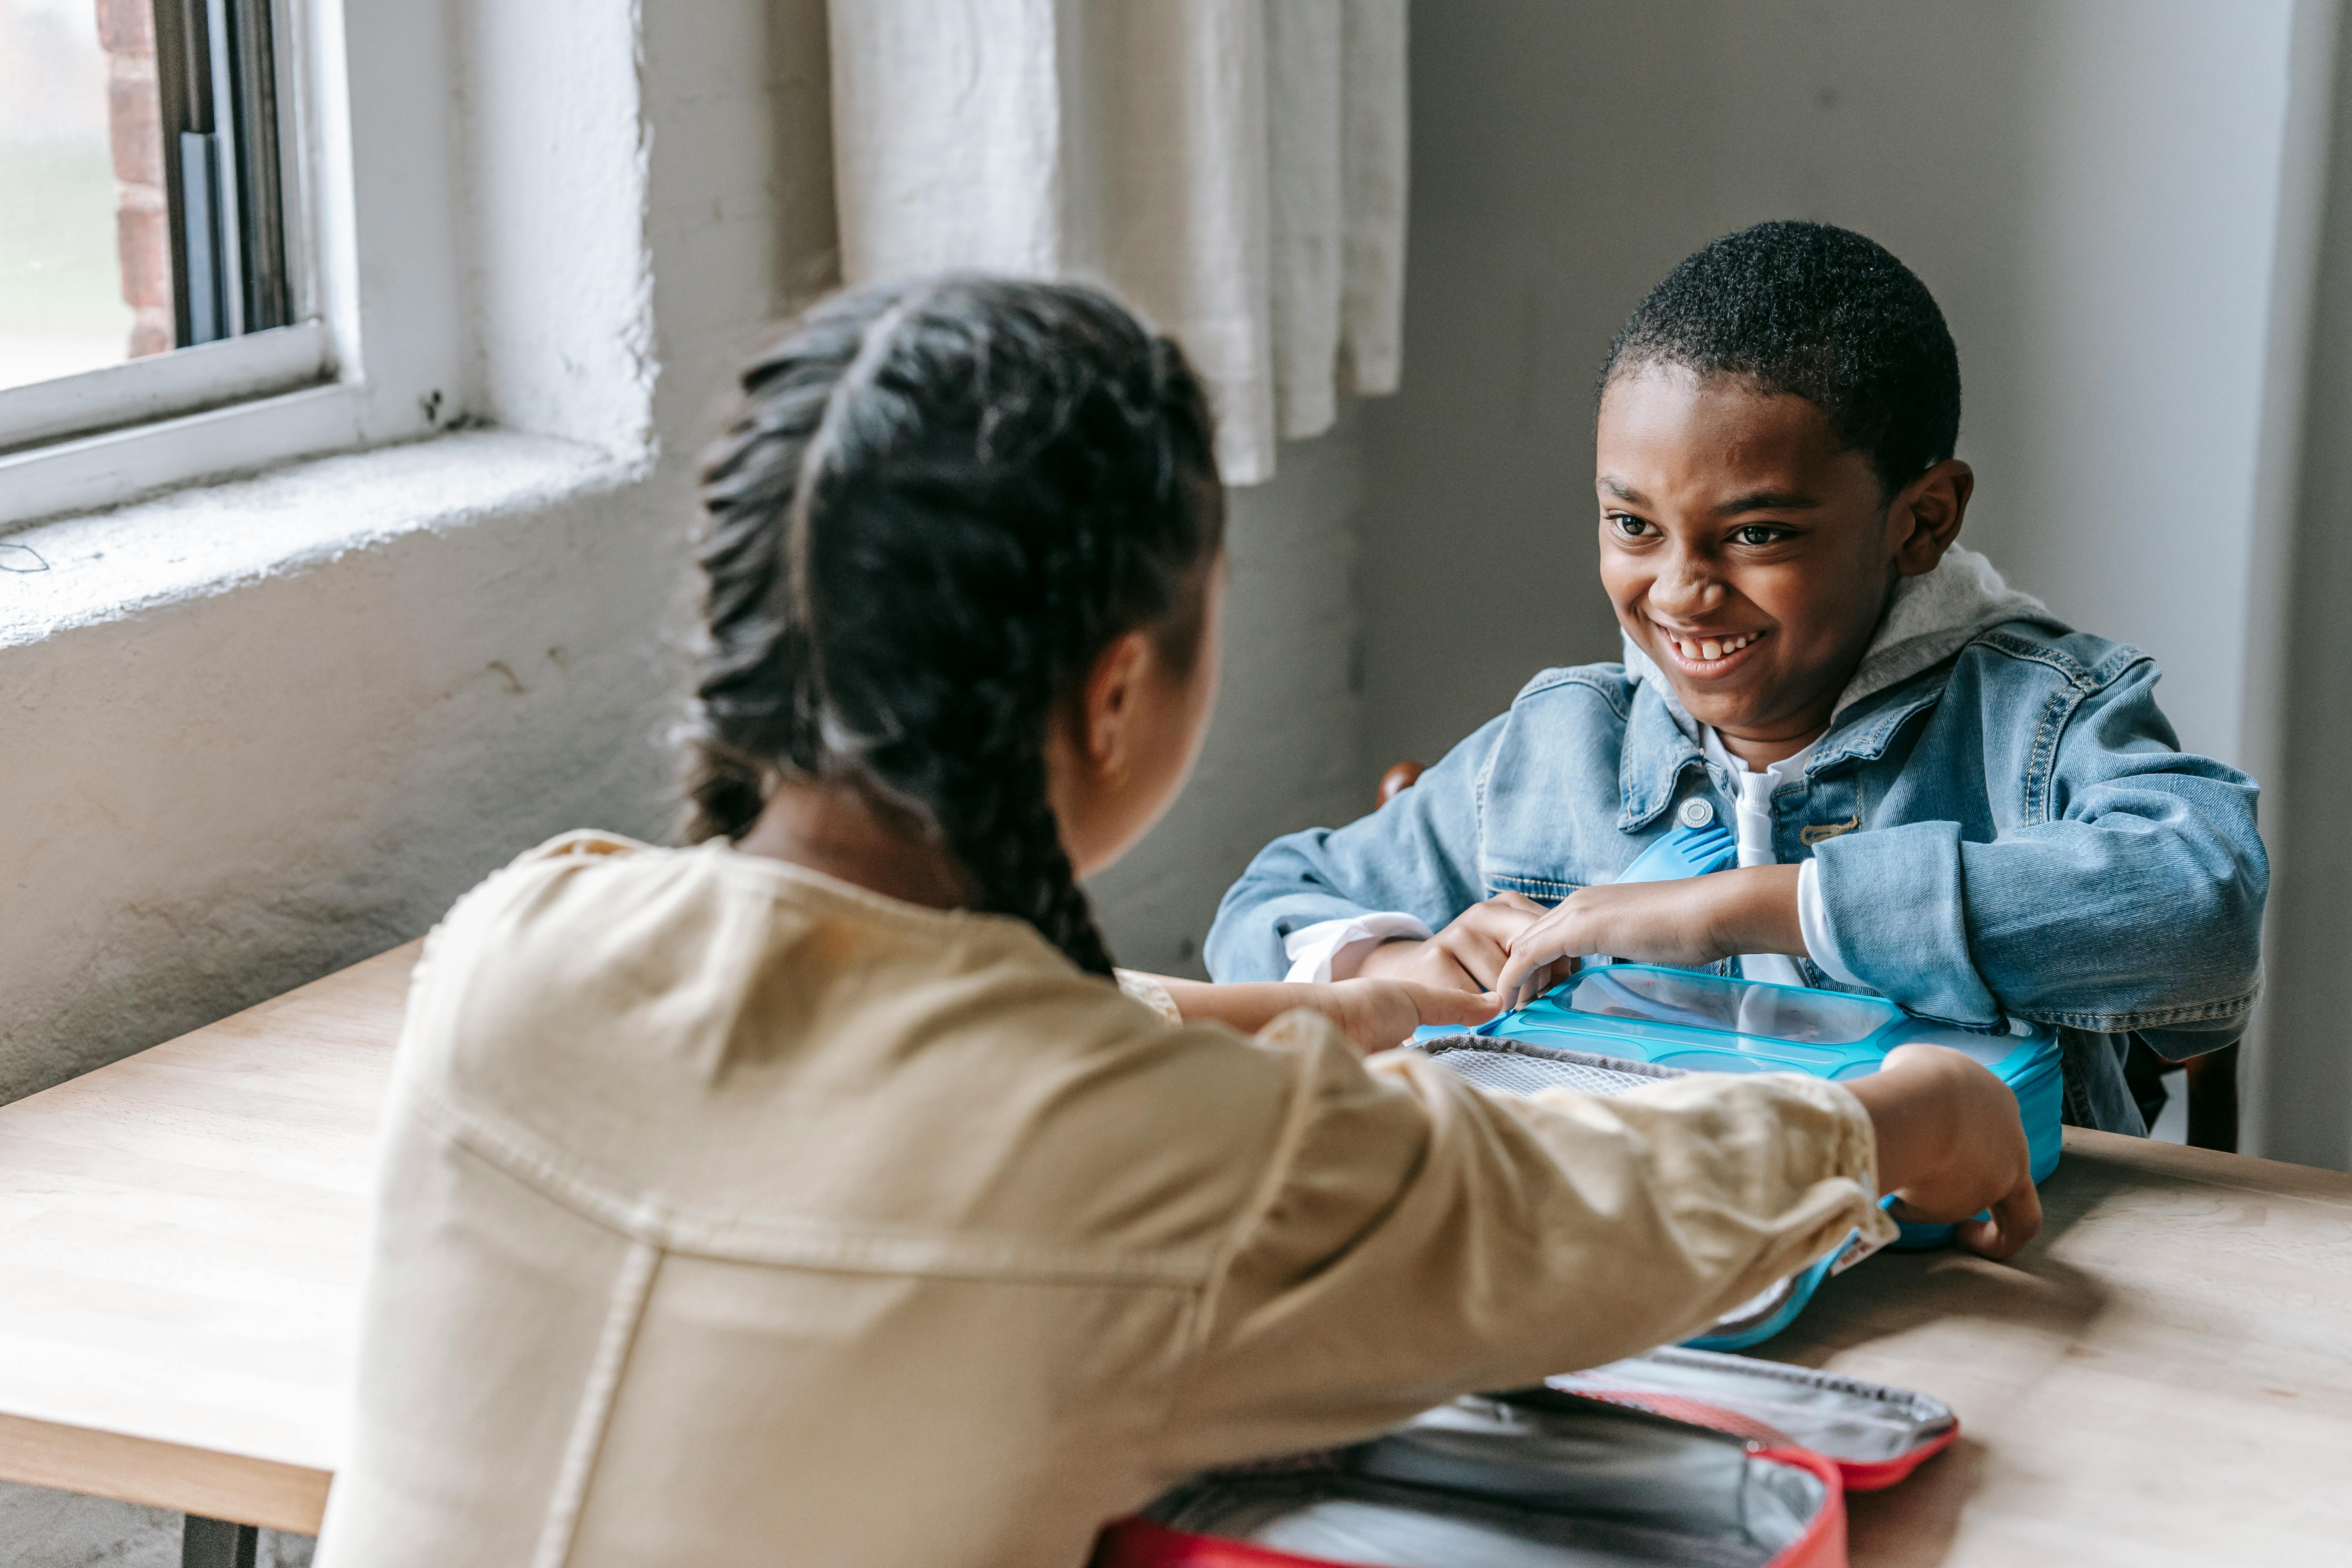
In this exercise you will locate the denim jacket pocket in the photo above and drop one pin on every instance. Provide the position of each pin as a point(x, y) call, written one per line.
point(1546, 891)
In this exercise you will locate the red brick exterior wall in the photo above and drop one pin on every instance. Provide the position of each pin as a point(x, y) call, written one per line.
point(126, 30)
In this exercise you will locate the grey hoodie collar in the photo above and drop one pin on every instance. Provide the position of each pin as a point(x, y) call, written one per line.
point(1930, 618)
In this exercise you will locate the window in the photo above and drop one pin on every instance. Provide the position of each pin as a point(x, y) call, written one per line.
point(255, 245)
point(154, 259)
point(139, 139)
point(67, 228)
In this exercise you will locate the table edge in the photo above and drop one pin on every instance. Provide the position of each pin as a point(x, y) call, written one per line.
point(2212, 1167)
point(202, 1481)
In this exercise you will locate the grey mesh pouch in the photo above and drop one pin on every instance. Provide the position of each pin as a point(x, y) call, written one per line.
point(1515, 1066)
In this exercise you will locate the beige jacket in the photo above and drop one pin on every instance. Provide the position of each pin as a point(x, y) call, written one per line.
point(734, 1215)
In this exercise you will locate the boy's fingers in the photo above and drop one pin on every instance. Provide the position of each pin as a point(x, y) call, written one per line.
point(1498, 927)
point(1455, 975)
point(1509, 983)
point(1480, 956)
point(1533, 951)
point(1512, 984)
point(1504, 916)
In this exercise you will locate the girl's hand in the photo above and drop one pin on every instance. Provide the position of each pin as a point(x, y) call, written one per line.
point(1950, 1146)
point(1379, 1014)
point(1466, 955)
point(1375, 1014)
point(1695, 919)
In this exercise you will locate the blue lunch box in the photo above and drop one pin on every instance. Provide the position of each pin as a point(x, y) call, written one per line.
point(1664, 1022)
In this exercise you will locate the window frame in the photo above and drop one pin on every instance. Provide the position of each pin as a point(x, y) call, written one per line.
point(219, 98)
point(377, 353)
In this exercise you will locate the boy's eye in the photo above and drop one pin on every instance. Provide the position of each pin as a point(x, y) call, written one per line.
point(1757, 533)
point(1630, 526)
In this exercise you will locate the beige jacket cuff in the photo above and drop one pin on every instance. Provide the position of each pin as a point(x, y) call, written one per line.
point(1837, 1141)
point(1147, 989)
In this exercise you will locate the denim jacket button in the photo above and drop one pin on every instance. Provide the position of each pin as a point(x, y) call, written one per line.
point(1697, 812)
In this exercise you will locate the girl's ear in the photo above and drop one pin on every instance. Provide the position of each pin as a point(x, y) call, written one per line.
point(1107, 705)
point(1928, 515)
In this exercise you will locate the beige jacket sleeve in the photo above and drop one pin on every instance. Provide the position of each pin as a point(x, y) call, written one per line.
point(1415, 1237)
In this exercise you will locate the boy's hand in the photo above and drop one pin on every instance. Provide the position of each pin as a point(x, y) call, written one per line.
point(1950, 1145)
point(1466, 955)
point(1695, 919)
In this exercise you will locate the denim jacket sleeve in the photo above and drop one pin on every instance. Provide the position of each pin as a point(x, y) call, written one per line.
point(2122, 889)
point(1418, 854)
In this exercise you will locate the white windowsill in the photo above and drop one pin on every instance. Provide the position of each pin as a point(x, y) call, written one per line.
point(82, 570)
point(181, 382)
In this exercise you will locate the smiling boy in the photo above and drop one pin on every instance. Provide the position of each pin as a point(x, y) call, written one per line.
point(1940, 792)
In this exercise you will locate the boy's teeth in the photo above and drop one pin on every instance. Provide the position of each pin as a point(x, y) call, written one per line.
point(1711, 648)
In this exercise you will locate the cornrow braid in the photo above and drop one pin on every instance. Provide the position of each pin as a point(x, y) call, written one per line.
point(939, 503)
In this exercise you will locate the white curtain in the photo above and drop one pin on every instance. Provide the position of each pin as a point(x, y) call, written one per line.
point(1234, 169)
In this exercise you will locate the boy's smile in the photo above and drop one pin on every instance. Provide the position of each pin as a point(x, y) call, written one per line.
point(1750, 553)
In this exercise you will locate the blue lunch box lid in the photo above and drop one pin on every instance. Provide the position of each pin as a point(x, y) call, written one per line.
point(1712, 1023)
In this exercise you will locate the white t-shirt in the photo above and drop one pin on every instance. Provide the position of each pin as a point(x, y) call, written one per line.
point(1753, 829)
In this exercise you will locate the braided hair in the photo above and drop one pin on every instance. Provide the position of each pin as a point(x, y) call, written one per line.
point(939, 502)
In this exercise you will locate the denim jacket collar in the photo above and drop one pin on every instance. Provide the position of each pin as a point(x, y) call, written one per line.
point(1662, 740)
point(1863, 732)
point(1661, 744)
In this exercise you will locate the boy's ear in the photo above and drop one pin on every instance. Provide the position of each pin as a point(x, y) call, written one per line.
point(1928, 515)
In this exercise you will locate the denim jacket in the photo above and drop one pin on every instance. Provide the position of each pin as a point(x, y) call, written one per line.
point(2012, 831)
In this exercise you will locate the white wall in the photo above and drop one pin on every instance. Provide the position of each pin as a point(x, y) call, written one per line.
point(2298, 724)
point(232, 769)
point(227, 767)
point(2093, 188)
point(1559, 167)
point(226, 770)
point(2089, 186)
point(254, 770)
point(1286, 746)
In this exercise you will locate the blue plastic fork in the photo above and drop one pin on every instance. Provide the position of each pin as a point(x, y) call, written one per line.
point(1688, 851)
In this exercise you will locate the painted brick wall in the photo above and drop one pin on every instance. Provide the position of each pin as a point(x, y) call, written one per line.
point(126, 30)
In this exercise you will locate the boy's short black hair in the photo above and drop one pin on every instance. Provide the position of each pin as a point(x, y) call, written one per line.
point(1821, 312)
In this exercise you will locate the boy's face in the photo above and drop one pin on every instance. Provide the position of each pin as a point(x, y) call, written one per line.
point(1748, 554)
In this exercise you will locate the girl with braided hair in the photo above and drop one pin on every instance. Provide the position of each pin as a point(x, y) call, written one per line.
point(814, 1194)
point(951, 518)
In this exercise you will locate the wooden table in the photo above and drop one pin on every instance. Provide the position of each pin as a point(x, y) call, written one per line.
point(2164, 1377)
point(181, 1237)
